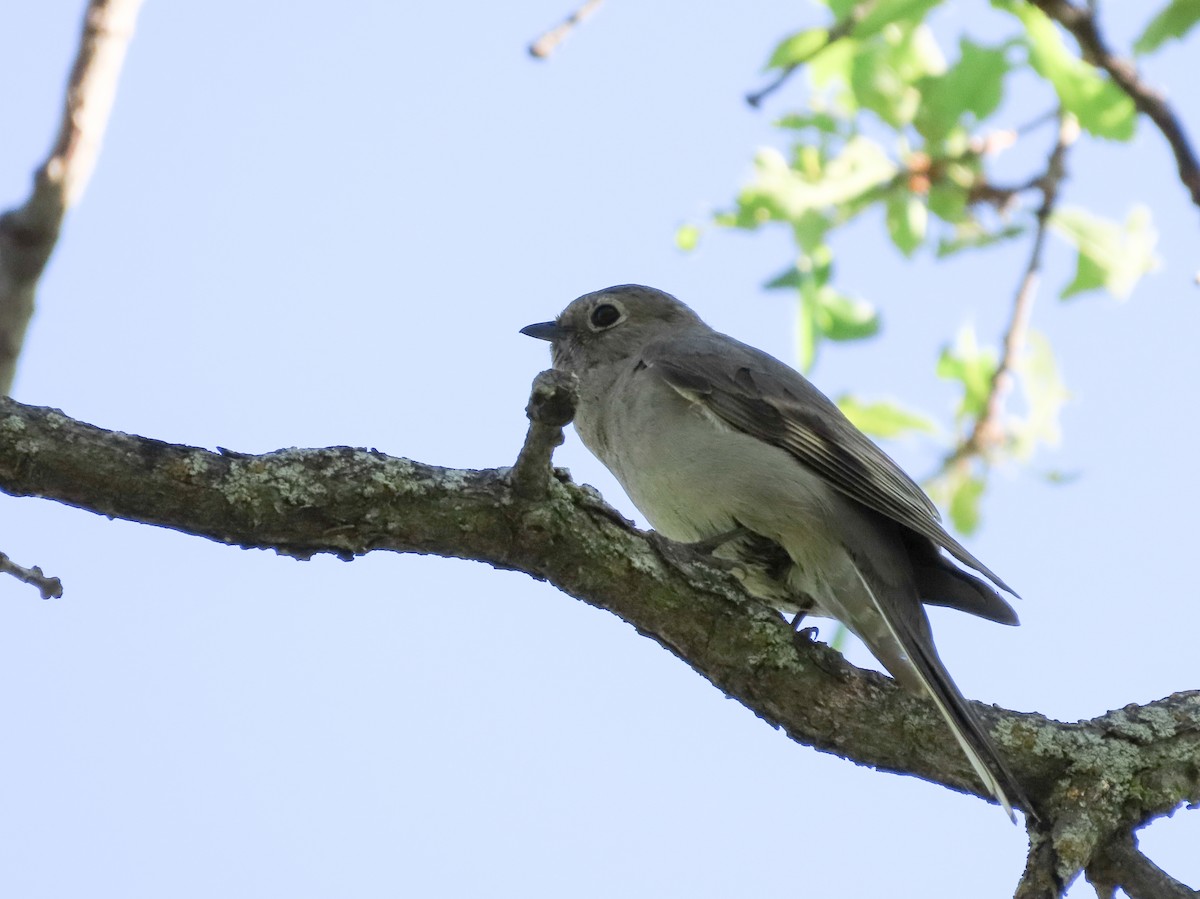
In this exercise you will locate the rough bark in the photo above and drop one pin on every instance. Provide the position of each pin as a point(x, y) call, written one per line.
point(1093, 782)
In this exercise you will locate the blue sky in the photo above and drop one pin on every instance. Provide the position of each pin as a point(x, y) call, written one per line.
point(313, 228)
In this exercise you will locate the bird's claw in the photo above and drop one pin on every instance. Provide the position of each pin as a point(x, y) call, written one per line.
point(806, 635)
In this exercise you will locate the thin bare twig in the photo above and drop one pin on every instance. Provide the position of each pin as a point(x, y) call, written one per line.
point(842, 28)
point(1081, 22)
point(549, 41)
point(755, 98)
point(988, 431)
point(1050, 115)
point(29, 232)
point(49, 587)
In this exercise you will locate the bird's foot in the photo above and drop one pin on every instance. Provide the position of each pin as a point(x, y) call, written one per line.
point(803, 634)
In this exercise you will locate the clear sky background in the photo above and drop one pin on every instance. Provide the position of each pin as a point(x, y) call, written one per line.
point(316, 225)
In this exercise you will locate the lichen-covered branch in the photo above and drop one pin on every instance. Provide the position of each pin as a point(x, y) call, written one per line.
point(1122, 865)
point(1040, 879)
point(551, 408)
point(29, 232)
point(1089, 780)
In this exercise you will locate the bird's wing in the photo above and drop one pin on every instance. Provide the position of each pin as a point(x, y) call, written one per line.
point(759, 395)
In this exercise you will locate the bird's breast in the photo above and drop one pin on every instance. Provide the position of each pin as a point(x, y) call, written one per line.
point(689, 473)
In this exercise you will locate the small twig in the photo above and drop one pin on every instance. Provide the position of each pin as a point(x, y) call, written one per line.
point(842, 28)
point(1050, 115)
point(29, 232)
point(1081, 22)
point(549, 41)
point(988, 431)
point(755, 98)
point(49, 587)
point(1001, 196)
point(551, 407)
point(1122, 864)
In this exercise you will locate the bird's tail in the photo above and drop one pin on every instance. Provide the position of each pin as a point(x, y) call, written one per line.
point(912, 659)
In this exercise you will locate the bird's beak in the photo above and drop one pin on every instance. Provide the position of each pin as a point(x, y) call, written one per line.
point(543, 331)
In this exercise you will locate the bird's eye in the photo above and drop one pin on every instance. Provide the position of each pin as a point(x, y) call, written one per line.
point(605, 316)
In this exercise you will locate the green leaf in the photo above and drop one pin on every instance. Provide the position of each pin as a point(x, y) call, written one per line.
point(807, 334)
point(830, 70)
point(798, 48)
point(1173, 22)
point(822, 122)
point(884, 73)
point(789, 278)
point(1110, 255)
point(948, 201)
point(972, 367)
point(884, 419)
point(780, 193)
point(876, 86)
point(1045, 395)
point(885, 12)
point(840, 8)
point(1101, 107)
point(812, 270)
point(972, 235)
point(810, 230)
point(686, 237)
point(839, 317)
point(907, 219)
point(975, 85)
point(1089, 275)
point(838, 642)
point(964, 504)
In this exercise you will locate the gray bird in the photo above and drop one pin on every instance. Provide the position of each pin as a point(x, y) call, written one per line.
point(720, 444)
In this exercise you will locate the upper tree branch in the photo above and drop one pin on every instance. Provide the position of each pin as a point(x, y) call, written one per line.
point(844, 27)
point(549, 41)
point(29, 232)
point(989, 431)
point(1081, 22)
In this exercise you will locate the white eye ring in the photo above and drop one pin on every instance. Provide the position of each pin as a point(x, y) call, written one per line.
point(606, 315)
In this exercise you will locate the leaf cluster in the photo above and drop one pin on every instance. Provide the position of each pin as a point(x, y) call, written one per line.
point(904, 120)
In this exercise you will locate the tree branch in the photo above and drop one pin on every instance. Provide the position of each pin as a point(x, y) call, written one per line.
point(1089, 780)
point(551, 408)
point(989, 430)
point(1081, 22)
point(844, 27)
point(1121, 864)
point(48, 587)
point(549, 41)
point(29, 232)
point(1040, 878)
